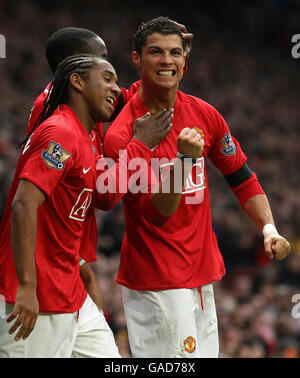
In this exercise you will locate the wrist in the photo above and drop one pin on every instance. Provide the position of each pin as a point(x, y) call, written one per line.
point(269, 228)
point(82, 262)
point(183, 157)
point(27, 287)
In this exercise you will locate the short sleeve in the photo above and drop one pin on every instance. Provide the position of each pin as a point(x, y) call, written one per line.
point(48, 156)
point(225, 153)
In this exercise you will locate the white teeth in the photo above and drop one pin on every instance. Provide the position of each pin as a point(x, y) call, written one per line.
point(110, 100)
point(165, 73)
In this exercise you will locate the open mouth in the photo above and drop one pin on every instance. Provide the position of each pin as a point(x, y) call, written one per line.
point(166, 73)
point(110, 100)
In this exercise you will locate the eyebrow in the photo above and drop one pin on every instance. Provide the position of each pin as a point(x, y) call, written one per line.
point(112, 74)
point(159, 48)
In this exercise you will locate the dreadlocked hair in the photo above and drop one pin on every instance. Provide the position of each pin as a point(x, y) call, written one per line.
point(58, 89)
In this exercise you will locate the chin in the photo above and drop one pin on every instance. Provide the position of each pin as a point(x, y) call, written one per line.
point(167, 87)
point(167, 84)
point(104, 117)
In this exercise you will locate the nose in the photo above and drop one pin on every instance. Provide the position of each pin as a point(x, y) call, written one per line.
point(166, 58)
point(116, 90)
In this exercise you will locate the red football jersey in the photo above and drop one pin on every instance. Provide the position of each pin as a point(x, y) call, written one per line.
point(59, 159)
point(183, 252)
point(129, 93)
point(89, 239)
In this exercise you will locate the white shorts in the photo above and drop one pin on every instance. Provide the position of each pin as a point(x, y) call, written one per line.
point(84, 333)
point(172, 323)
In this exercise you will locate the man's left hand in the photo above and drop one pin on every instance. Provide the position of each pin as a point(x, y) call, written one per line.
point(276, 246)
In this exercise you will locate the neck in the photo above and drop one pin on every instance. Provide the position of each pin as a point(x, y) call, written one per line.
point(85, 119)
point(158, 98)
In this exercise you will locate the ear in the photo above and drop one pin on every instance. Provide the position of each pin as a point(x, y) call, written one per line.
point(136, 59)
point(77, 82)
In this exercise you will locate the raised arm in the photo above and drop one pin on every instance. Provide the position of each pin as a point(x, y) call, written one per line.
point(190, 146)
point(148, 131)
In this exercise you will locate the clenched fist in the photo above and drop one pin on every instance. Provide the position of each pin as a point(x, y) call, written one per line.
point(190, 143)
point(276, 246)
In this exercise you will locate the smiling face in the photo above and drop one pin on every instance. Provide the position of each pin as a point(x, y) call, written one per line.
point(100, 91)
point(161, 62)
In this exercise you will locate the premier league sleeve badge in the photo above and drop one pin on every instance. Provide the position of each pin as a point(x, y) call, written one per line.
point(229, 148)
point(55, 156)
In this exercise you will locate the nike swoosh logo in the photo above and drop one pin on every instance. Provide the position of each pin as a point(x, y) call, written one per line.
point(86, 170)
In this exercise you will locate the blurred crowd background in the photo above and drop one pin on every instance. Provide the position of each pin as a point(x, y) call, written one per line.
point(241, 63)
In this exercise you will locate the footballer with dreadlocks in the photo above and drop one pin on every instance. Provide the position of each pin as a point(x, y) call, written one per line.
point(48, 204)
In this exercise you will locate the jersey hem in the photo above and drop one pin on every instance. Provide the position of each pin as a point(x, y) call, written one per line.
point(170, 287)
point(47, 311)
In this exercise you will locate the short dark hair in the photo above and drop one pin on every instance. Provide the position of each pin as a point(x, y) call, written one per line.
point(70, 41)
point(161, 25)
